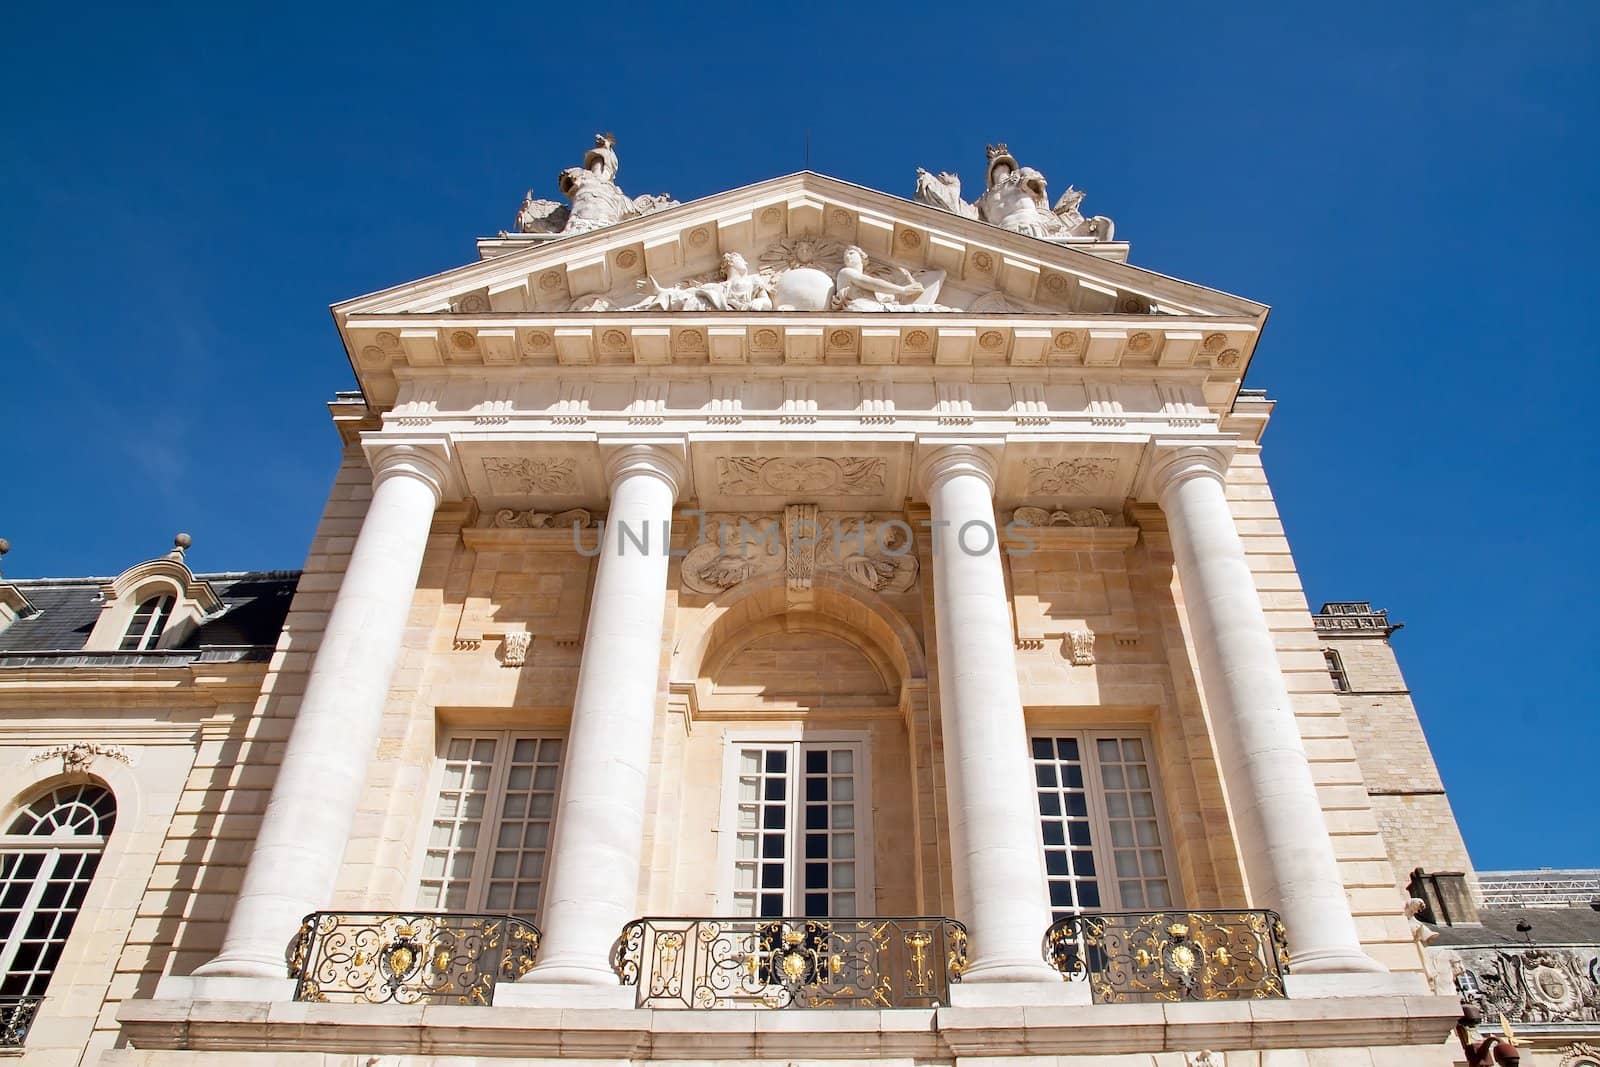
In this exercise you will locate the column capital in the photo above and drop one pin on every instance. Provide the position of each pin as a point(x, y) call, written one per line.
point(666, 460)
point(941, 460)
point(430, 460)
point(1171, 462)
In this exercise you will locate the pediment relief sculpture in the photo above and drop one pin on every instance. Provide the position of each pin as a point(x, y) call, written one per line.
point(1014, 198)
point(806, 274)
point(595, 198)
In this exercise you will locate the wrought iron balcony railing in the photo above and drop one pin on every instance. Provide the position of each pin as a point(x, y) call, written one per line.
point(16, 1015)
point(792, 962)
point(409, 958)
point(1174, 955)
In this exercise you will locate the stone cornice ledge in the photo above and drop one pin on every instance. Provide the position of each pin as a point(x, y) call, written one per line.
point(441, 1030)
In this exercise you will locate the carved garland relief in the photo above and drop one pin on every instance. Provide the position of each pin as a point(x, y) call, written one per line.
point(772, 476)
point(511, 476)
point(1070, 476)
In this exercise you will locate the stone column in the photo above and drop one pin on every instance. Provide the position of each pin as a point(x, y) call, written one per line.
point(1283, 838)
point(592, 882)
point(300, 845)
point(994, 818)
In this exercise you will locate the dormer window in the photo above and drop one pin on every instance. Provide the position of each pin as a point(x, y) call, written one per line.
point(149, 620)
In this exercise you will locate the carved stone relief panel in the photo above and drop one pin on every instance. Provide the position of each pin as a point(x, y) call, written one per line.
point(532, 519)
point(510, 477)
point(1083, 476)
point(872, 551)
point(821, 475)
point(1531, 985)
point(734, 549)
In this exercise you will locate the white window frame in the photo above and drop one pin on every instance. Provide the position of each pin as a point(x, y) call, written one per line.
point(52, 848)
point(149, 636)
point(1099, 819)
point(494, 806)
point(727, 829)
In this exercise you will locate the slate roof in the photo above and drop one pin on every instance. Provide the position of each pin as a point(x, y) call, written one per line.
point(1578, 924)
point(254, 606)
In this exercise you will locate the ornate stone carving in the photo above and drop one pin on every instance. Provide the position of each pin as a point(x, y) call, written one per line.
point(820, 475)
point(1579, 1054)
point(737, 288)
point(516, 648)
point(531, 475)
point(1015, 199)
point(873, 552)
point(1533, 984)
point(511, 519)
point(595, 198)
point(857, 289)
point(1204, 1058)
point(1080, 648)
point(736, 548)
point(1092, 517)
point(1067, 476)
point(79, 755)
point(801, 533)
point(943, 190)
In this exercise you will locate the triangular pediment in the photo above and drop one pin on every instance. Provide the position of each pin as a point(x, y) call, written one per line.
point(597, 297)
point(761, 222)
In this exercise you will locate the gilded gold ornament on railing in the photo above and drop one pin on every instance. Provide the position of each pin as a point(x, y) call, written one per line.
point(409, 958)
point(792, 962)
point(1169, 956)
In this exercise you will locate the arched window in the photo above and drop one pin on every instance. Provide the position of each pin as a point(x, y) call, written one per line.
point(144, 629)
point(48, 856)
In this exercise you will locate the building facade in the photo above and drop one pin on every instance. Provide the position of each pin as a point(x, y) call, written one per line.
point(803, 624)
point(1522, 948)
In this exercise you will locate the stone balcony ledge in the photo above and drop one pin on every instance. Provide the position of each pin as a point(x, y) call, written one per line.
point(924, 1034)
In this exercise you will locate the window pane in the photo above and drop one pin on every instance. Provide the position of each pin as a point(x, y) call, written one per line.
point(1063, 820)
point(812, 786)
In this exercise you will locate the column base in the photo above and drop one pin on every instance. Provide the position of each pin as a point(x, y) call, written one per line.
point(1003, 970)
point(243, 965)
point(1334, 961)
point(573, 972)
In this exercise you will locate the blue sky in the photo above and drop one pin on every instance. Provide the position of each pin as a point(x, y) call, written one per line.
point(185, 189)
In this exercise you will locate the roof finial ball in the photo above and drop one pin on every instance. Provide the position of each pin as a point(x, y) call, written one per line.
point(5, 546)
point(180, 544)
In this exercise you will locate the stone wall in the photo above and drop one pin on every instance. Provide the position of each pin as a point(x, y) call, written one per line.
point(1419, 827)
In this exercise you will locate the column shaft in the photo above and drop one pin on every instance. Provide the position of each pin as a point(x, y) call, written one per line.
point(301, 843)
point(592, 884)
point(1283, 838)
point(994, 819)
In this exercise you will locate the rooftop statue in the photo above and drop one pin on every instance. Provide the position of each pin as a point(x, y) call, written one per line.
point(595, 197)
point(1014, 199)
